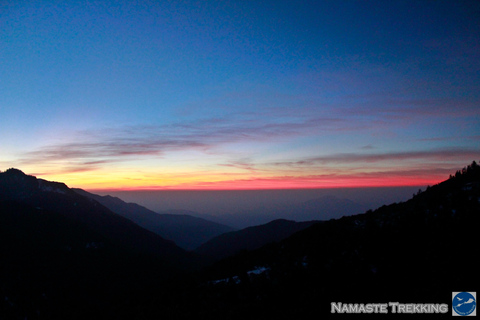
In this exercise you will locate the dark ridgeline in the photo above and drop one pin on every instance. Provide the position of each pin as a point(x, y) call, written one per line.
point(186, 231)
point(63, 255)
point(416, 251)
point(250, 238)
point(317, 208)
point(54, 196)
point(56, 263)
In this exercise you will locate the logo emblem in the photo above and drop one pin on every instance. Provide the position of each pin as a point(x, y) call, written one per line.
point(464, 303)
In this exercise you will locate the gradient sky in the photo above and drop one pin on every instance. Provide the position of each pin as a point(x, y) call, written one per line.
point(239, 94)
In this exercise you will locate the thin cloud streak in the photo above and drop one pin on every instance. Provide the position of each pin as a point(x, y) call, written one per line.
point(440, 155)
point(105, 146)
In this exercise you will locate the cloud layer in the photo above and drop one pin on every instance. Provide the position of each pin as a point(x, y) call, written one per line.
point(98, 150)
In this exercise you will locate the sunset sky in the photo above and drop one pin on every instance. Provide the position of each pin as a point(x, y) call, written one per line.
point(239, 94)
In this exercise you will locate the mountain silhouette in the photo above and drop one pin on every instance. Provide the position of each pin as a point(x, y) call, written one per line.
point(322, 208)
point(186, 231)
point(250, 238)
point(66, 256)
point(57, 197)
point(406, 251)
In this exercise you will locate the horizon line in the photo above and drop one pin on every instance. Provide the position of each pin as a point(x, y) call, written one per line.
point(150, 189)
point(355, 181)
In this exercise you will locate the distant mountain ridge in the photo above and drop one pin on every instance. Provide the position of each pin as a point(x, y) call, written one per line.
point(319, 209)
point(186, 231)
point(324, 208)
point(250, 238)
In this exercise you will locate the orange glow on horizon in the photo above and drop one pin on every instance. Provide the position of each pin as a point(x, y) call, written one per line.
point(272, 184)
point(122, 180)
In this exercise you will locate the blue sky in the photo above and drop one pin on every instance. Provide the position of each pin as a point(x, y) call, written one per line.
point(239, 94)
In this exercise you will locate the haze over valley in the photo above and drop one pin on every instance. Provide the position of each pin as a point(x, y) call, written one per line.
point(243, 208)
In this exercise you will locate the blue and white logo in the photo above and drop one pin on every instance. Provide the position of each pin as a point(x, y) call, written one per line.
point(464, 303)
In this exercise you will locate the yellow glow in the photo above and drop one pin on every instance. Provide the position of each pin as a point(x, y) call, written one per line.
point(209, 177)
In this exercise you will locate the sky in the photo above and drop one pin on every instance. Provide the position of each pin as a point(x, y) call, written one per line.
point(214, 95)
